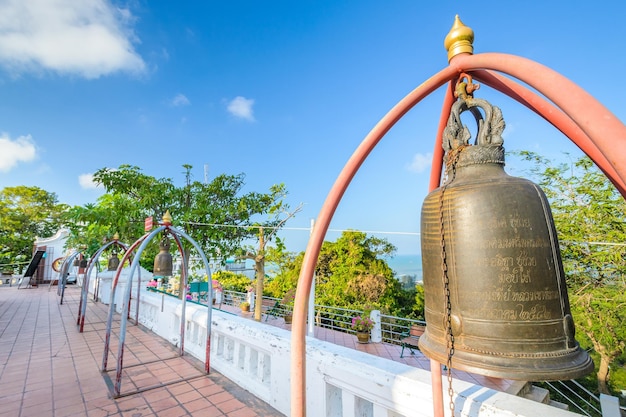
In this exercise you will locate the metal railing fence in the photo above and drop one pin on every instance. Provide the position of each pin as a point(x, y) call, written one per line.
point(393, 328)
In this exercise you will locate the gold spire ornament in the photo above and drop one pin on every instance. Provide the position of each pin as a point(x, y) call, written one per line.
point(167, 219)
point(459, 40)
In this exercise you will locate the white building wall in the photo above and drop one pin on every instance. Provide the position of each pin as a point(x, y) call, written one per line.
point(55, 248)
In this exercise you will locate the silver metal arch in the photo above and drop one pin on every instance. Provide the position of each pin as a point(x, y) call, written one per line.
point(143, 242)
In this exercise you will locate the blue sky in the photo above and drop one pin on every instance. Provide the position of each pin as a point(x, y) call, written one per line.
point(281, 91)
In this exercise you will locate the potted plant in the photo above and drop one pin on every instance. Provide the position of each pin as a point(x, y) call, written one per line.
point(287, 302)
point(362, 327)
point(245, 306)
point(152, 285)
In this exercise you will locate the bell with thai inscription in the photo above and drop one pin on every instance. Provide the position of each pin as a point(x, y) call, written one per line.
point(496, 302)
point(163, 261)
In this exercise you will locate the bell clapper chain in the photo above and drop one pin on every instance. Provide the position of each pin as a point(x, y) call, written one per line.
point(446, 283)
point(463, 92)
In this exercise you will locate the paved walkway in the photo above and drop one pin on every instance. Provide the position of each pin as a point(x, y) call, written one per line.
point(48, 368)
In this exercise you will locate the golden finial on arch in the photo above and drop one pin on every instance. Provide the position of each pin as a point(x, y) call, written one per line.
point(459, 40)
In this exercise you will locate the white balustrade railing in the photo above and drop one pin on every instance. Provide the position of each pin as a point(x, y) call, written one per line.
point(341, 382)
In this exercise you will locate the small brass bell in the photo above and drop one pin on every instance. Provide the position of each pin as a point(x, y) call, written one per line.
point(496, 300)
point(114, 262)
point(163, 260)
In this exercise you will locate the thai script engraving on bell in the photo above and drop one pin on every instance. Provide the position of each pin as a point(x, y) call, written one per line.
point(502, 282)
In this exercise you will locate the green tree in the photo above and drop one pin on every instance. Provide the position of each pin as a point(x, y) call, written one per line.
point(217, 215)
point(601, 314)
point(232, 281)
point(258, 254)
point(93, 224)
point(418, 306)
point(288, 271)
point(220, 216)
point(590, 218)
point(26, 213)
point(130, 197)
point(351, 273)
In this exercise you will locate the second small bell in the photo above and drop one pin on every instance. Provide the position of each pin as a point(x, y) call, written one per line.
point(163, 261)
point(114, 261)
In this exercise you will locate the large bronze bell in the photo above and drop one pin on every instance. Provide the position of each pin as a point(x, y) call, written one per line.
point(495, 296)
point(163, 260)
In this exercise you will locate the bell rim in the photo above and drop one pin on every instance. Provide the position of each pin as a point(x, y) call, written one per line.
point(576, 363)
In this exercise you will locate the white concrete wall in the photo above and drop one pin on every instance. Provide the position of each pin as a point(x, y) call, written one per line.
point(55, 248)
point(341, 382)
point(104, 281)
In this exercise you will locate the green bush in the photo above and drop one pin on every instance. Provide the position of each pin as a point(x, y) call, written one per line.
point(232, 281)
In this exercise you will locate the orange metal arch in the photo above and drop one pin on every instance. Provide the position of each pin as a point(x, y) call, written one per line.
point(593, 128)
point(606, 133)
point(557, 118)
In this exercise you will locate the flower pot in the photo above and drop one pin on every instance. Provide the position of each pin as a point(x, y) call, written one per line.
point(363, 337)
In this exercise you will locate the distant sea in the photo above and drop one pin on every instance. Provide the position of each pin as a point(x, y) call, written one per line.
point(402, 265)
point(407, 265)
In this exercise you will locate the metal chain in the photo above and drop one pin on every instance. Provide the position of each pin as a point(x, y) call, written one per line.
point(463, 91)
point(453, 157)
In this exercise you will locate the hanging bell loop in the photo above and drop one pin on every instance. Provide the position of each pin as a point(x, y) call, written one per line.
point(163, 261)
point(456, 136)
point(493, 276)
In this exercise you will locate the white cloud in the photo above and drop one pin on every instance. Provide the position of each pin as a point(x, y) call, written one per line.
point(180, 100)
point(15, 151)
point(86, 182)
point(420, 162)
point(89, 38)
point(241, 107)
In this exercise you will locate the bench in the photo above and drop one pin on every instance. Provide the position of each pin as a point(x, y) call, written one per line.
point(410, 340)
point(270, 308)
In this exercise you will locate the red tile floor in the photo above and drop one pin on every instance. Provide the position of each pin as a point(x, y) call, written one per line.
point(48, 368)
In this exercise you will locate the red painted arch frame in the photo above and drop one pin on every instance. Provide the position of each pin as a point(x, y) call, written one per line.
point(585, 121)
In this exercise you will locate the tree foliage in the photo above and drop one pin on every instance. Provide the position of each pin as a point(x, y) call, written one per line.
point(288, 266)
point(217, 215)
point(601, 313)
point(232, 281)
point(220, 216)
point(590, 218)
point(25, 214)
point(351, 273)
